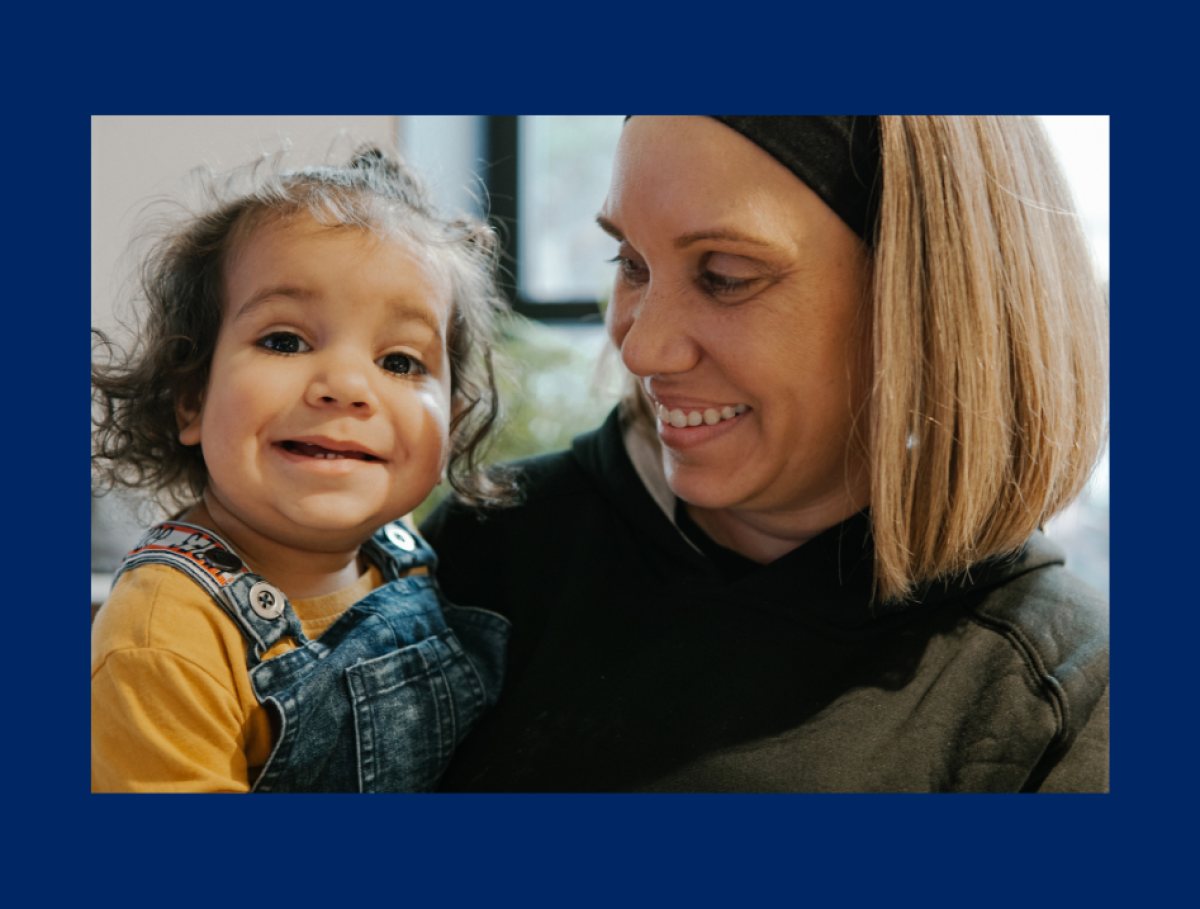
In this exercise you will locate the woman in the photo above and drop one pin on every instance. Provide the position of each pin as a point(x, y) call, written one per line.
point(870, 361)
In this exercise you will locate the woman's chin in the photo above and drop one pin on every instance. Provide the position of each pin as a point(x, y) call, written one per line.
point(703, 488)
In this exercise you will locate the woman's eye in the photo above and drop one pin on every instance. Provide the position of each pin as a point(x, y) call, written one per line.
point(731, 276)
point(401, 364)
point(284, 342)
point(724, 283)
point(629, 270)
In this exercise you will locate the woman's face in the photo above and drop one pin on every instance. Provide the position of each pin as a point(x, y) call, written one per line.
point(739, 292)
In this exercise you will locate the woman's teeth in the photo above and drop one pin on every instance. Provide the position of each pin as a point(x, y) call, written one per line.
point(710, 417)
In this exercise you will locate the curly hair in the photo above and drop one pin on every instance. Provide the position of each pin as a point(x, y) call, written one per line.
point(181, 279)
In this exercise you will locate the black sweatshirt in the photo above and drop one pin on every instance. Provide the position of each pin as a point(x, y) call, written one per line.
point(640, 663)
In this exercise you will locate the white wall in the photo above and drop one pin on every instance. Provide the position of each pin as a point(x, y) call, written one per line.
point(136, 158)
point(450, 155)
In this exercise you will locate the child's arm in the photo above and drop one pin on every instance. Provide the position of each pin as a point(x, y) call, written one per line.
point(172, 710)
point(159, 725)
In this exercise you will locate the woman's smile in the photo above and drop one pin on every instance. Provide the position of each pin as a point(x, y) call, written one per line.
point(692, 435)
point(739, 303)
point(684, 423)
point(679, 417)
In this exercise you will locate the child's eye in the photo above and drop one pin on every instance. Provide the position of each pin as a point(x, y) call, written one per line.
point(401, 364)
point(284, 342)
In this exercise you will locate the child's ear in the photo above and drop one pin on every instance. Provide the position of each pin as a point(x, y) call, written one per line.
point(189, 412)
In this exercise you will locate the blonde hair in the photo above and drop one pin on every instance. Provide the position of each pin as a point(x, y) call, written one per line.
point(990, 341)
point(989, 331)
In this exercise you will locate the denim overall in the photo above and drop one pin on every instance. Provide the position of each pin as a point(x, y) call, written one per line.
point(377, 703)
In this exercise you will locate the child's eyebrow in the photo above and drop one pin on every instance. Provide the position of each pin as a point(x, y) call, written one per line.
point(402, 309)
point(265, 294)
point(407, 312)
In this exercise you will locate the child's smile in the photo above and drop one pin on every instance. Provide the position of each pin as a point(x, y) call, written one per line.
point(327, 449)
point(327, 411)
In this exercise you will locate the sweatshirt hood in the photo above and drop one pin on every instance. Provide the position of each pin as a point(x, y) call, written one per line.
point(831, 576)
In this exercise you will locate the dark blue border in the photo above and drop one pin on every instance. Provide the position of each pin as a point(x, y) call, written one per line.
point(601, 851)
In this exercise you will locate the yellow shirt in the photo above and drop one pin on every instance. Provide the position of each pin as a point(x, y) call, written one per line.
point(172, 705)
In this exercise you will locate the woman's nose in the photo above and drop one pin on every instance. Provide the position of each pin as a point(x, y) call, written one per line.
point(343, 381)
point(652, 332)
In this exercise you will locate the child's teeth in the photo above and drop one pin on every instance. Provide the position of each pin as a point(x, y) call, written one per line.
point(319, 453)
point(710, 417)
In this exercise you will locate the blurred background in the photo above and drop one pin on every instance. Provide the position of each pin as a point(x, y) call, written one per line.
point(541, 180)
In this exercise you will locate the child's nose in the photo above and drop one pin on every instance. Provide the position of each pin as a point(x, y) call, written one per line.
point(342, 384)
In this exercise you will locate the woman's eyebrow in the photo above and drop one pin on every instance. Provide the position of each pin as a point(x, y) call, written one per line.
point(609, 228)
point(688, 239)
point(724, 234)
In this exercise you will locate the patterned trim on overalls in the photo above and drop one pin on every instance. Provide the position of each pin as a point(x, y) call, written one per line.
point(214, 565)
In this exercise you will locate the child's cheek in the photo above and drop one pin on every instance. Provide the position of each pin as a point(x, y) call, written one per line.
point(435, 415)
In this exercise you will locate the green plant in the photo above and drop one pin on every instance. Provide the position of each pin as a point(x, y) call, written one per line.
point(553, 385)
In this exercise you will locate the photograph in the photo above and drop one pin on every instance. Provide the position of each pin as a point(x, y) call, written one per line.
point(582, 454)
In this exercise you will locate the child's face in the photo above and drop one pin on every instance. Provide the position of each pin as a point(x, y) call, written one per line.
point(327, 411)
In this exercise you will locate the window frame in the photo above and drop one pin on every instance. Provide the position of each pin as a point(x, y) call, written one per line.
point(504, 194)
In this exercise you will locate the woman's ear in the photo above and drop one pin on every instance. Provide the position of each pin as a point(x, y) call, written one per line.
point(189, 413)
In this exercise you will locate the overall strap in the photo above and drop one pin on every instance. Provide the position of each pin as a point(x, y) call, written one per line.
point(261, 610)
point(396, 550)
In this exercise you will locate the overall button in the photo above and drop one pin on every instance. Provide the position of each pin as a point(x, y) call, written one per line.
point(266, 600)
point(399, 536)
point(223, 558)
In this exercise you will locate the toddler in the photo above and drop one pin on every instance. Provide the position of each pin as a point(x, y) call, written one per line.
point(313, 362)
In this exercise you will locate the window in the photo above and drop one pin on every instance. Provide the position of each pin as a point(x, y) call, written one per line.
point(541, 182)
point(547, 178)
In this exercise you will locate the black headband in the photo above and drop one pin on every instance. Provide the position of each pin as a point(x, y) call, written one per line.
point(836, 157)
